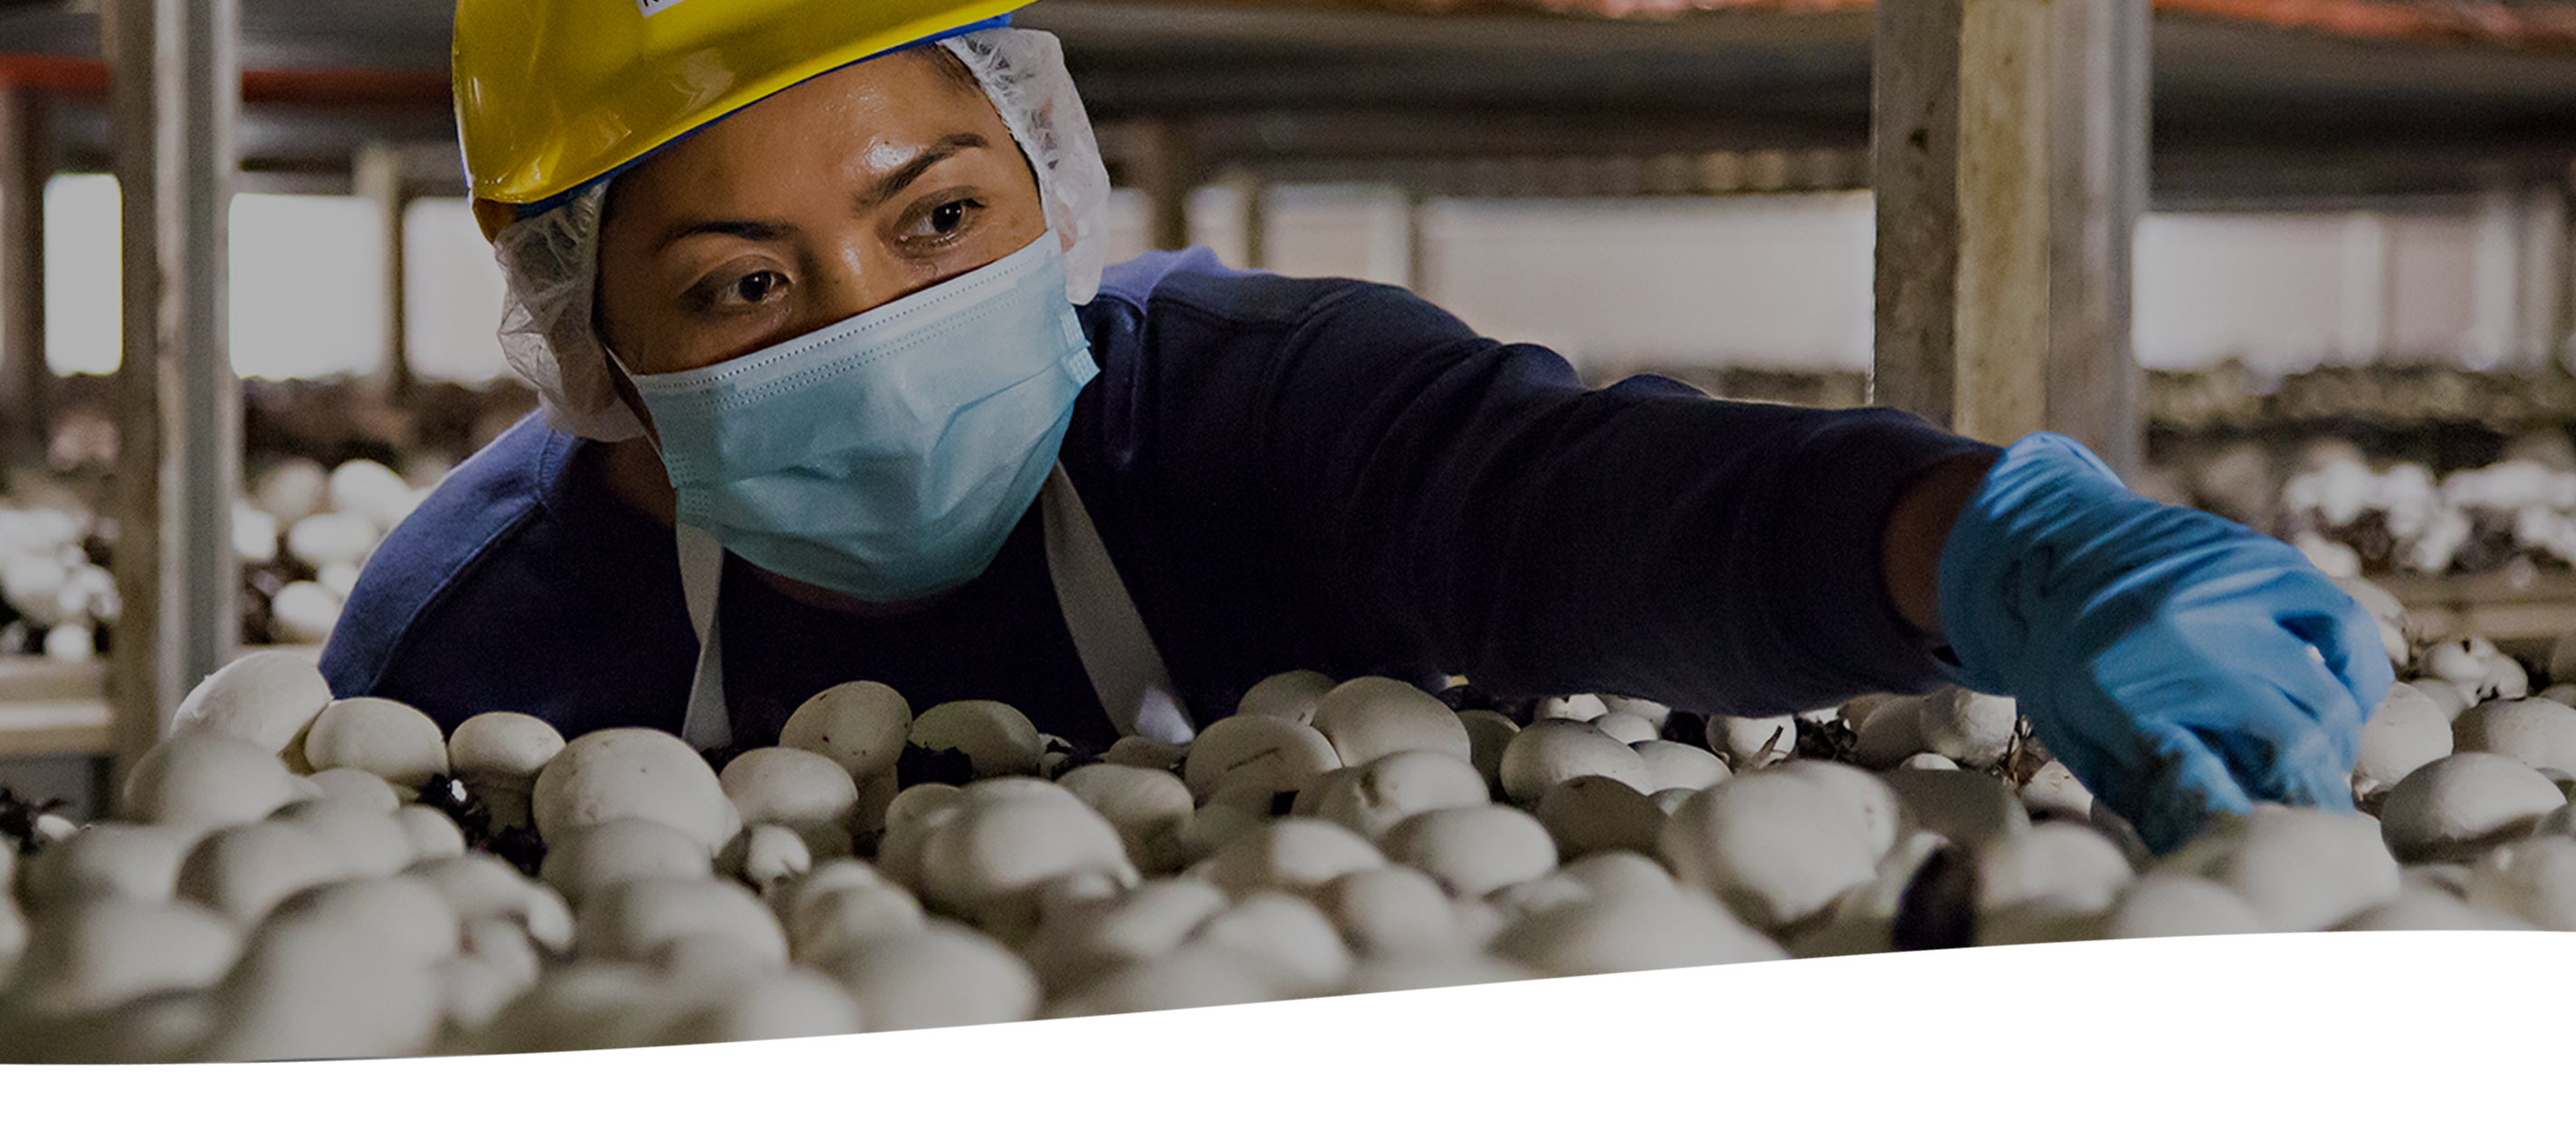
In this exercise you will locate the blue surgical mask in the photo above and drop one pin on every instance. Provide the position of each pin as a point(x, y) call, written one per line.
point(886, 457)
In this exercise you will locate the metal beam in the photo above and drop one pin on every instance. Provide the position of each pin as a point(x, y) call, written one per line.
point(26, 380)
point(175, 86)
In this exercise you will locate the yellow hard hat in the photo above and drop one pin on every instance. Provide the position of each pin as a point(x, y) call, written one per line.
point(554, 94)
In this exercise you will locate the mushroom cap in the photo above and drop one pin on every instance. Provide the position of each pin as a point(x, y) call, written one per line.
point(1473, 850)
point(945, 975)
point(795, 1003)
point(242, 872)
point(1552, 751)
point(2065, 865)
point(357, 788)
point(1968, 808)
point(1374, 716)
point(1292, 696)
point(1414, 973)
point(1135, 800)
point(2301, 870)
point(104, 950)
point(1971, 726)
point(592, 858)
point(1594, 813)
point(2539, 732)
point(265, 698)
point(1391, 911)
point(632, 772)
point(2453, 807)
point(502, 746)
point(1751, 742)
point(637, 918)
point(861, 725)
point(2177, 904)
point(392, 741)
point(2534, 879)
point(1290, 933)
point(125, 859)
point(995, 736)
point(2408, 730)
point(1280, 754)
point(987, 863)
point(1386, 790)
point(825, 925)
point(796, 788)
point(1290, 855)
point(366, 841)
point(1098, 938)
point(1671, 765)
point(1775, 847)
point(199, 782)
point(1488, 734)
point(1630, 934)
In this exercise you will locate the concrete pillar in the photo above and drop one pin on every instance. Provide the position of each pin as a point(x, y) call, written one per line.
point(27, 160)
point(378, 170)
point(2009, 152)
point(175, 93)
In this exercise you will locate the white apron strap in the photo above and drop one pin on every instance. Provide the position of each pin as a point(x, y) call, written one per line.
point(708, 725)
point(1126, 670)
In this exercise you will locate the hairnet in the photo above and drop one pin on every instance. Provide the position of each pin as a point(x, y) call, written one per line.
point(550, 261)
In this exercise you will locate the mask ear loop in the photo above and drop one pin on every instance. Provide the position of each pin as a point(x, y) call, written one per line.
point(707, 724)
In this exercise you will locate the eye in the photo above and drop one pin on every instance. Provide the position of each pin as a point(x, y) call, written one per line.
point(941, 223)
point(754, 288)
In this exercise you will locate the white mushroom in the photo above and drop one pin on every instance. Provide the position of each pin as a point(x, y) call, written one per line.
point(986, 864)
point(803, 791)
point(1656, 715)
point(765, 854)
point(2054, 792)
point(2064, 865)
point(1451, 1013)
point(2408, 731)
point(196, 783)
point(1098, 938)
point(1473, 850)
point(357, 788)
point(1289, 695)
point(498, 755)
point(915, 814)
point(121, 859)
point(104, 950)
point(633, 919)
point(2534, 879)
point(1671, 765)
point(433, 835)
point(592, 858)
point(2540, 732)
point(2452, 808)
point(2450, 697)
point(1867, 796)
point(2177, 904)
point(791, 1004)
point(1594, 813)
point(1375, 796)
point(942, 976)
point(2301, 870)
point(1776, 848)
point(1684, 930)
point(1488, 734)
point(1390, 911)
point(1198, 1005)
point(1579, 708)
point(1620, 873)
point(392, 741)
point(1552, 751)
point(1625, 727)
point(244, 871)
point(1752, 742)
point(1289, 855)
point(266, 698)
point(1146, 754)
point(1280, 755)
point(346, 970)
point(632, 772)
point(2419, 909)
point(1968, 808)
point(1970, 726)
point(861, 725)
point(1891, 733)
point(480, 886)
point(995, 737)
point(1288, 932)
point(365, 841)
point(1138, 803)
point(825, 925)
point(1371, 717)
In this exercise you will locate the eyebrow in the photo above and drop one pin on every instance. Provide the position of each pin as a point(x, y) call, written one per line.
point(876, 194)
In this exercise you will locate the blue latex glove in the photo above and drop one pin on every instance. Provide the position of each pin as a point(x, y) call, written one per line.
point(2178, 663)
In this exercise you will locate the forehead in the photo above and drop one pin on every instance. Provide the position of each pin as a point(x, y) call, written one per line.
point(867, 114)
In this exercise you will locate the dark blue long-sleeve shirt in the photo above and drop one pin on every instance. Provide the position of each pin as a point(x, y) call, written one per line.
point(1289, 473)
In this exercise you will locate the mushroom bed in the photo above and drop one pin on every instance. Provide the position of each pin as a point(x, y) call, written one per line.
point(294, 876)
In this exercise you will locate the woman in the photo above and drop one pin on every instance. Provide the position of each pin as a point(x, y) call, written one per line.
point(835, 387)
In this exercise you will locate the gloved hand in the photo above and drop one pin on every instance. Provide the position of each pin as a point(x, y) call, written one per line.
point(2179, 664)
